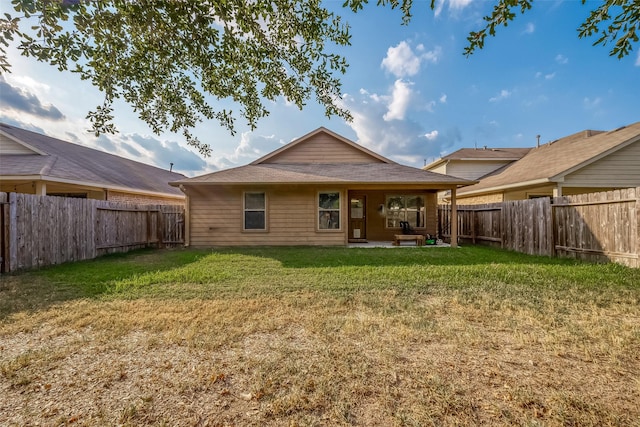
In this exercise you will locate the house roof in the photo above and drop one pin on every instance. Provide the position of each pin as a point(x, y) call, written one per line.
point(551, 162)
point(61, 161)
point(379, 170)
point(327, 173)
point(482, 154)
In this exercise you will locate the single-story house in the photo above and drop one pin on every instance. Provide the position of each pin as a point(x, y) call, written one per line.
point(37, 164)
point(320, 189)
point(585, 162)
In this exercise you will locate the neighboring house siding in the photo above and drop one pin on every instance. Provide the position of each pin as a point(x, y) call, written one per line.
point(142, 199)
point(619, 169)
point(471, 169)
point(322, 148)
point(8, 147)
point(529, 193)
point(217, 217)
point(479, 200)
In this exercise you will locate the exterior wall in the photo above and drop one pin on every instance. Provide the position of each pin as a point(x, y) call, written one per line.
point(142, 199)
point(617, 170)
point(8, 147)
point(322, 148)
point(480, 200)
point(530, 193)
point(441, 168)
point(473, 169)
point(52, 188)
point(216, 216)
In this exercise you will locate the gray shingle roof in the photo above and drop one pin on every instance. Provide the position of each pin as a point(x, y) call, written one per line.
point(387, 172)
point(73, 162)
point(551, 161)
point(329, 173)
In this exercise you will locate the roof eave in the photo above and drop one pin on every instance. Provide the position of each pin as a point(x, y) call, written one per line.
point(506, 187)
point(92, 185)
point(216, 183)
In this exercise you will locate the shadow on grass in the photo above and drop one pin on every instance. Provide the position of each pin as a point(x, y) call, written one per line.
point(318, 257)
point(39, 289)
point(187, 273)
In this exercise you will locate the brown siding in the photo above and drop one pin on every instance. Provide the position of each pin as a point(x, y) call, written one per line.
point(116, 196)
point(480, 200)
point(216, 217)
point(322, 148)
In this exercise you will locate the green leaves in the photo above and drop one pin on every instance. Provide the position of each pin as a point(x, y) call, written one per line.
point(164, 57)
point(621, 30)
point(168, 58)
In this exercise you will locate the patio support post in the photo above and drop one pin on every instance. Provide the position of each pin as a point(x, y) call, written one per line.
point(454, 219)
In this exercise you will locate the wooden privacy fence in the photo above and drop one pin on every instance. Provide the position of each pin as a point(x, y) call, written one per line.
point(44, 230)
point(597, 226)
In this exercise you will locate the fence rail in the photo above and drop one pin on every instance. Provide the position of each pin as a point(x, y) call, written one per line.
point(597, 227)
point(43, 230)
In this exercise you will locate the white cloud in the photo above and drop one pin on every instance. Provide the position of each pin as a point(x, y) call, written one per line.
point(402, 61)
point(561, 59)
point(530, 28)
point(504, 94)
point(405, 141)
point(549, 76)
point(638, 60)
point(431, 136)
point(432, 56)
point(400, 99)
point(454, 5)
point(443, 98)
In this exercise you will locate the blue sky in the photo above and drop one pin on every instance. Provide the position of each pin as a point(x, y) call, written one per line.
point(413, 95)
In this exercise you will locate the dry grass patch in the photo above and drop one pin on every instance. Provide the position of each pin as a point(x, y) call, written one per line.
point(324, 337)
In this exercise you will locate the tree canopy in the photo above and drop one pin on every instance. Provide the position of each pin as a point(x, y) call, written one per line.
point(164, 57)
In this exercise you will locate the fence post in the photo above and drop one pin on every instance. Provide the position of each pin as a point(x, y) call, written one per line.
point(13, 233)
point(4, 229)
point(551, 228)
point(637, 219)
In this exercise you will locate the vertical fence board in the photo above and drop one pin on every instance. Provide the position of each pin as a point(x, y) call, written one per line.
point(597, 227)
point(37, 230)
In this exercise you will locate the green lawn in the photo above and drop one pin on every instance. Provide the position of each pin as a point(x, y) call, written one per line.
point(321, 336)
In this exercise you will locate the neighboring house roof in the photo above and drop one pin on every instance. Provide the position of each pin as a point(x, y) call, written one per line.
point(377, 169)
point(481, 154)
point(551, 162)
point(52, 159)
